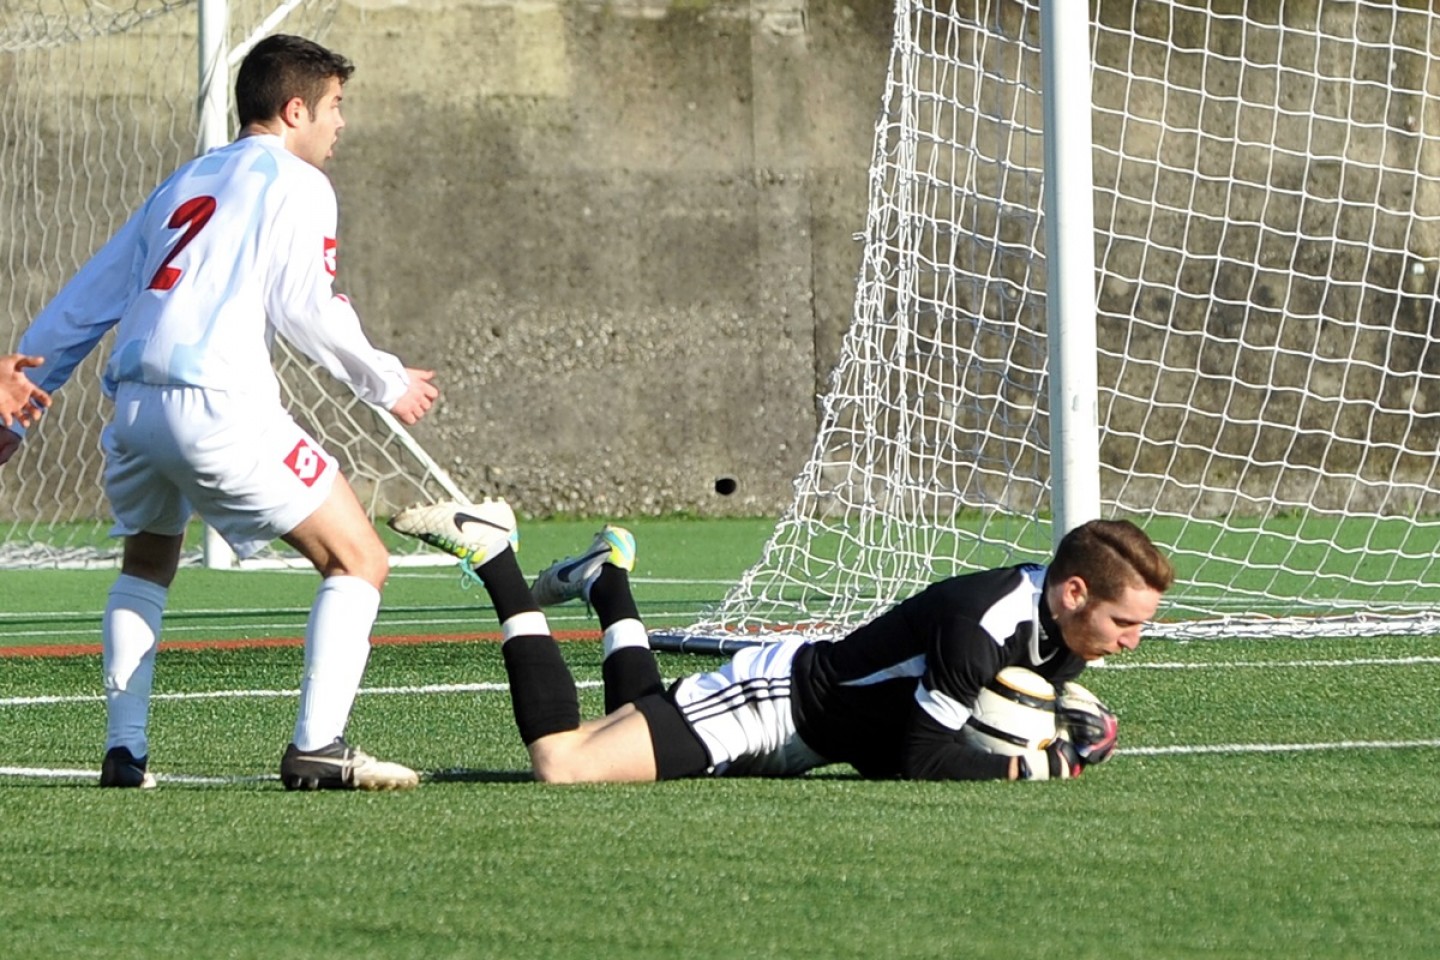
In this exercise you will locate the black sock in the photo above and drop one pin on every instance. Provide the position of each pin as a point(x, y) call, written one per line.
point(542, 690)
point(629, 674)
point(506, 585)
point(611, 598)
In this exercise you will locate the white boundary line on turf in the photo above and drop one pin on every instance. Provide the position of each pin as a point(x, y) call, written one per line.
point(1261, 664)
point(65, 773)
point(92, 616)
point(1192, 749)
point(591, 684)
point(264, 694)
point(297, 625)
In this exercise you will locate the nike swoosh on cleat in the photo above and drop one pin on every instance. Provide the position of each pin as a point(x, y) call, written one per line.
point(344, 763)
point(463, 518)
point(563, 573)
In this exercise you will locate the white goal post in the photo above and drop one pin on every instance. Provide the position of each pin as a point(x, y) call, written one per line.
point(98, 103)
point(1266, 240)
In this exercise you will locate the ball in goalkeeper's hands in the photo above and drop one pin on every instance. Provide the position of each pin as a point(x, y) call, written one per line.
point(1086, 723)
point(1013, 715)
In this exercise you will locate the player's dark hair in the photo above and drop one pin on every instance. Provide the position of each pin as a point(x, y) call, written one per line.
point(280, 68)
point(1110, 555)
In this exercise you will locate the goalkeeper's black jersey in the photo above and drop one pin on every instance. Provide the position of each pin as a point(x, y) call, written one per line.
point(890, 698)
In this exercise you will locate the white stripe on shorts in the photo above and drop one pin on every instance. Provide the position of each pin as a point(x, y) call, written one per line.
point(741, 713)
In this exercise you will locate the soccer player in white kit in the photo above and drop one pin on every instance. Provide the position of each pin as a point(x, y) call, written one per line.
point(236, 246)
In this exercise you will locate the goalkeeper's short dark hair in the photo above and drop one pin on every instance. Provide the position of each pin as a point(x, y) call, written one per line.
point(1110, 555)
point(280, 68)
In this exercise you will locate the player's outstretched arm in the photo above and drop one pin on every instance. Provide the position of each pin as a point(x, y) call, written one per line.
point(933, 751)
point(418, 398)
point(19, 398)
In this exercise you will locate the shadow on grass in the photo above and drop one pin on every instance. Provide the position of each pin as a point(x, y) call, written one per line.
point(477, 776)
point(525, 776)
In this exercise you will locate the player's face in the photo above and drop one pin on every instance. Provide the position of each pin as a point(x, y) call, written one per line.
point(315, 137)
point(1095, 628)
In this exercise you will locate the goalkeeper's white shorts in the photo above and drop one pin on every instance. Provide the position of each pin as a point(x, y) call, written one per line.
point(241, 463)
point(741, 713)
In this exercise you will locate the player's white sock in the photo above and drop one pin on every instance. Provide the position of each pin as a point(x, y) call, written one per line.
point(129, 633)
point(624, 633)
point(527, 623)
point(337, 645)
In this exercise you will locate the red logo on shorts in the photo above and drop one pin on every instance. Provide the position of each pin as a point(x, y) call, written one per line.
point(306, 462)
point(331, 256)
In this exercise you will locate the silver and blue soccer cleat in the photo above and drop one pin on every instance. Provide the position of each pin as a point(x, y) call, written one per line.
point(571, 578)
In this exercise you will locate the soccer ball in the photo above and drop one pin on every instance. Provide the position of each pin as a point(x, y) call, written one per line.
point(1014, 714)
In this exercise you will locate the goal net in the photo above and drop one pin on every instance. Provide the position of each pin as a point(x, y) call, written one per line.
point(1267, 240)
point(98, 103)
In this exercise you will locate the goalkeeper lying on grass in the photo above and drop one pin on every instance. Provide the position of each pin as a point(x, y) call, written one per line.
point(891, 699)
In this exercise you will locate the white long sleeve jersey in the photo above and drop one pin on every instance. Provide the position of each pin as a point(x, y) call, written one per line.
point(235, 246)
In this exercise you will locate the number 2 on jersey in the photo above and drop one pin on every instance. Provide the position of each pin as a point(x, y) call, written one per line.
point(193, 215)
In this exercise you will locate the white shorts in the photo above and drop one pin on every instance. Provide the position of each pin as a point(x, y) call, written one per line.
point(241, 463)
point(741, 713)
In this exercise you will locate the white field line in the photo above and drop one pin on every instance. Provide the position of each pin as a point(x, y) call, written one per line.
point(295, 627)
point(1198, 748)
point(272, 694)
point(590, 684)
point(482, 608)
point(1157, 751)
point(71, 773)
point(482, 622)
point(1109, 665)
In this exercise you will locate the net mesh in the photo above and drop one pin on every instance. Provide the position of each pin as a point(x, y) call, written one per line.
point(1266, 206)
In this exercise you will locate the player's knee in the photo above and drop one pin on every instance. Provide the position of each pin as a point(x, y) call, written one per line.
point(556, 773)
point(565, 758)
point(615, 749)
point(371, 565)
point(371, 562)
point(552, 760)
point(152, 557)
point(378, 572)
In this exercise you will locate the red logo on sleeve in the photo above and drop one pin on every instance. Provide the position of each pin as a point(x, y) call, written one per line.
point(331, 255)
point(306, 462)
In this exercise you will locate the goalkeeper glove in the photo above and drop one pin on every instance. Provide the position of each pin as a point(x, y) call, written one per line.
point(1087, 723)
point(1058, 761)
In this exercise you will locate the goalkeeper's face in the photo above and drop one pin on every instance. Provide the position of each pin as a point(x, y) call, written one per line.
point(1095, 628)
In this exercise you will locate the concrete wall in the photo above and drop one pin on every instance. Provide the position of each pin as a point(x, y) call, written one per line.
point(622, 233)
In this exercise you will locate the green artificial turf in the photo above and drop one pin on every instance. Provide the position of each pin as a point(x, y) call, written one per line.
point(1270, 799)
